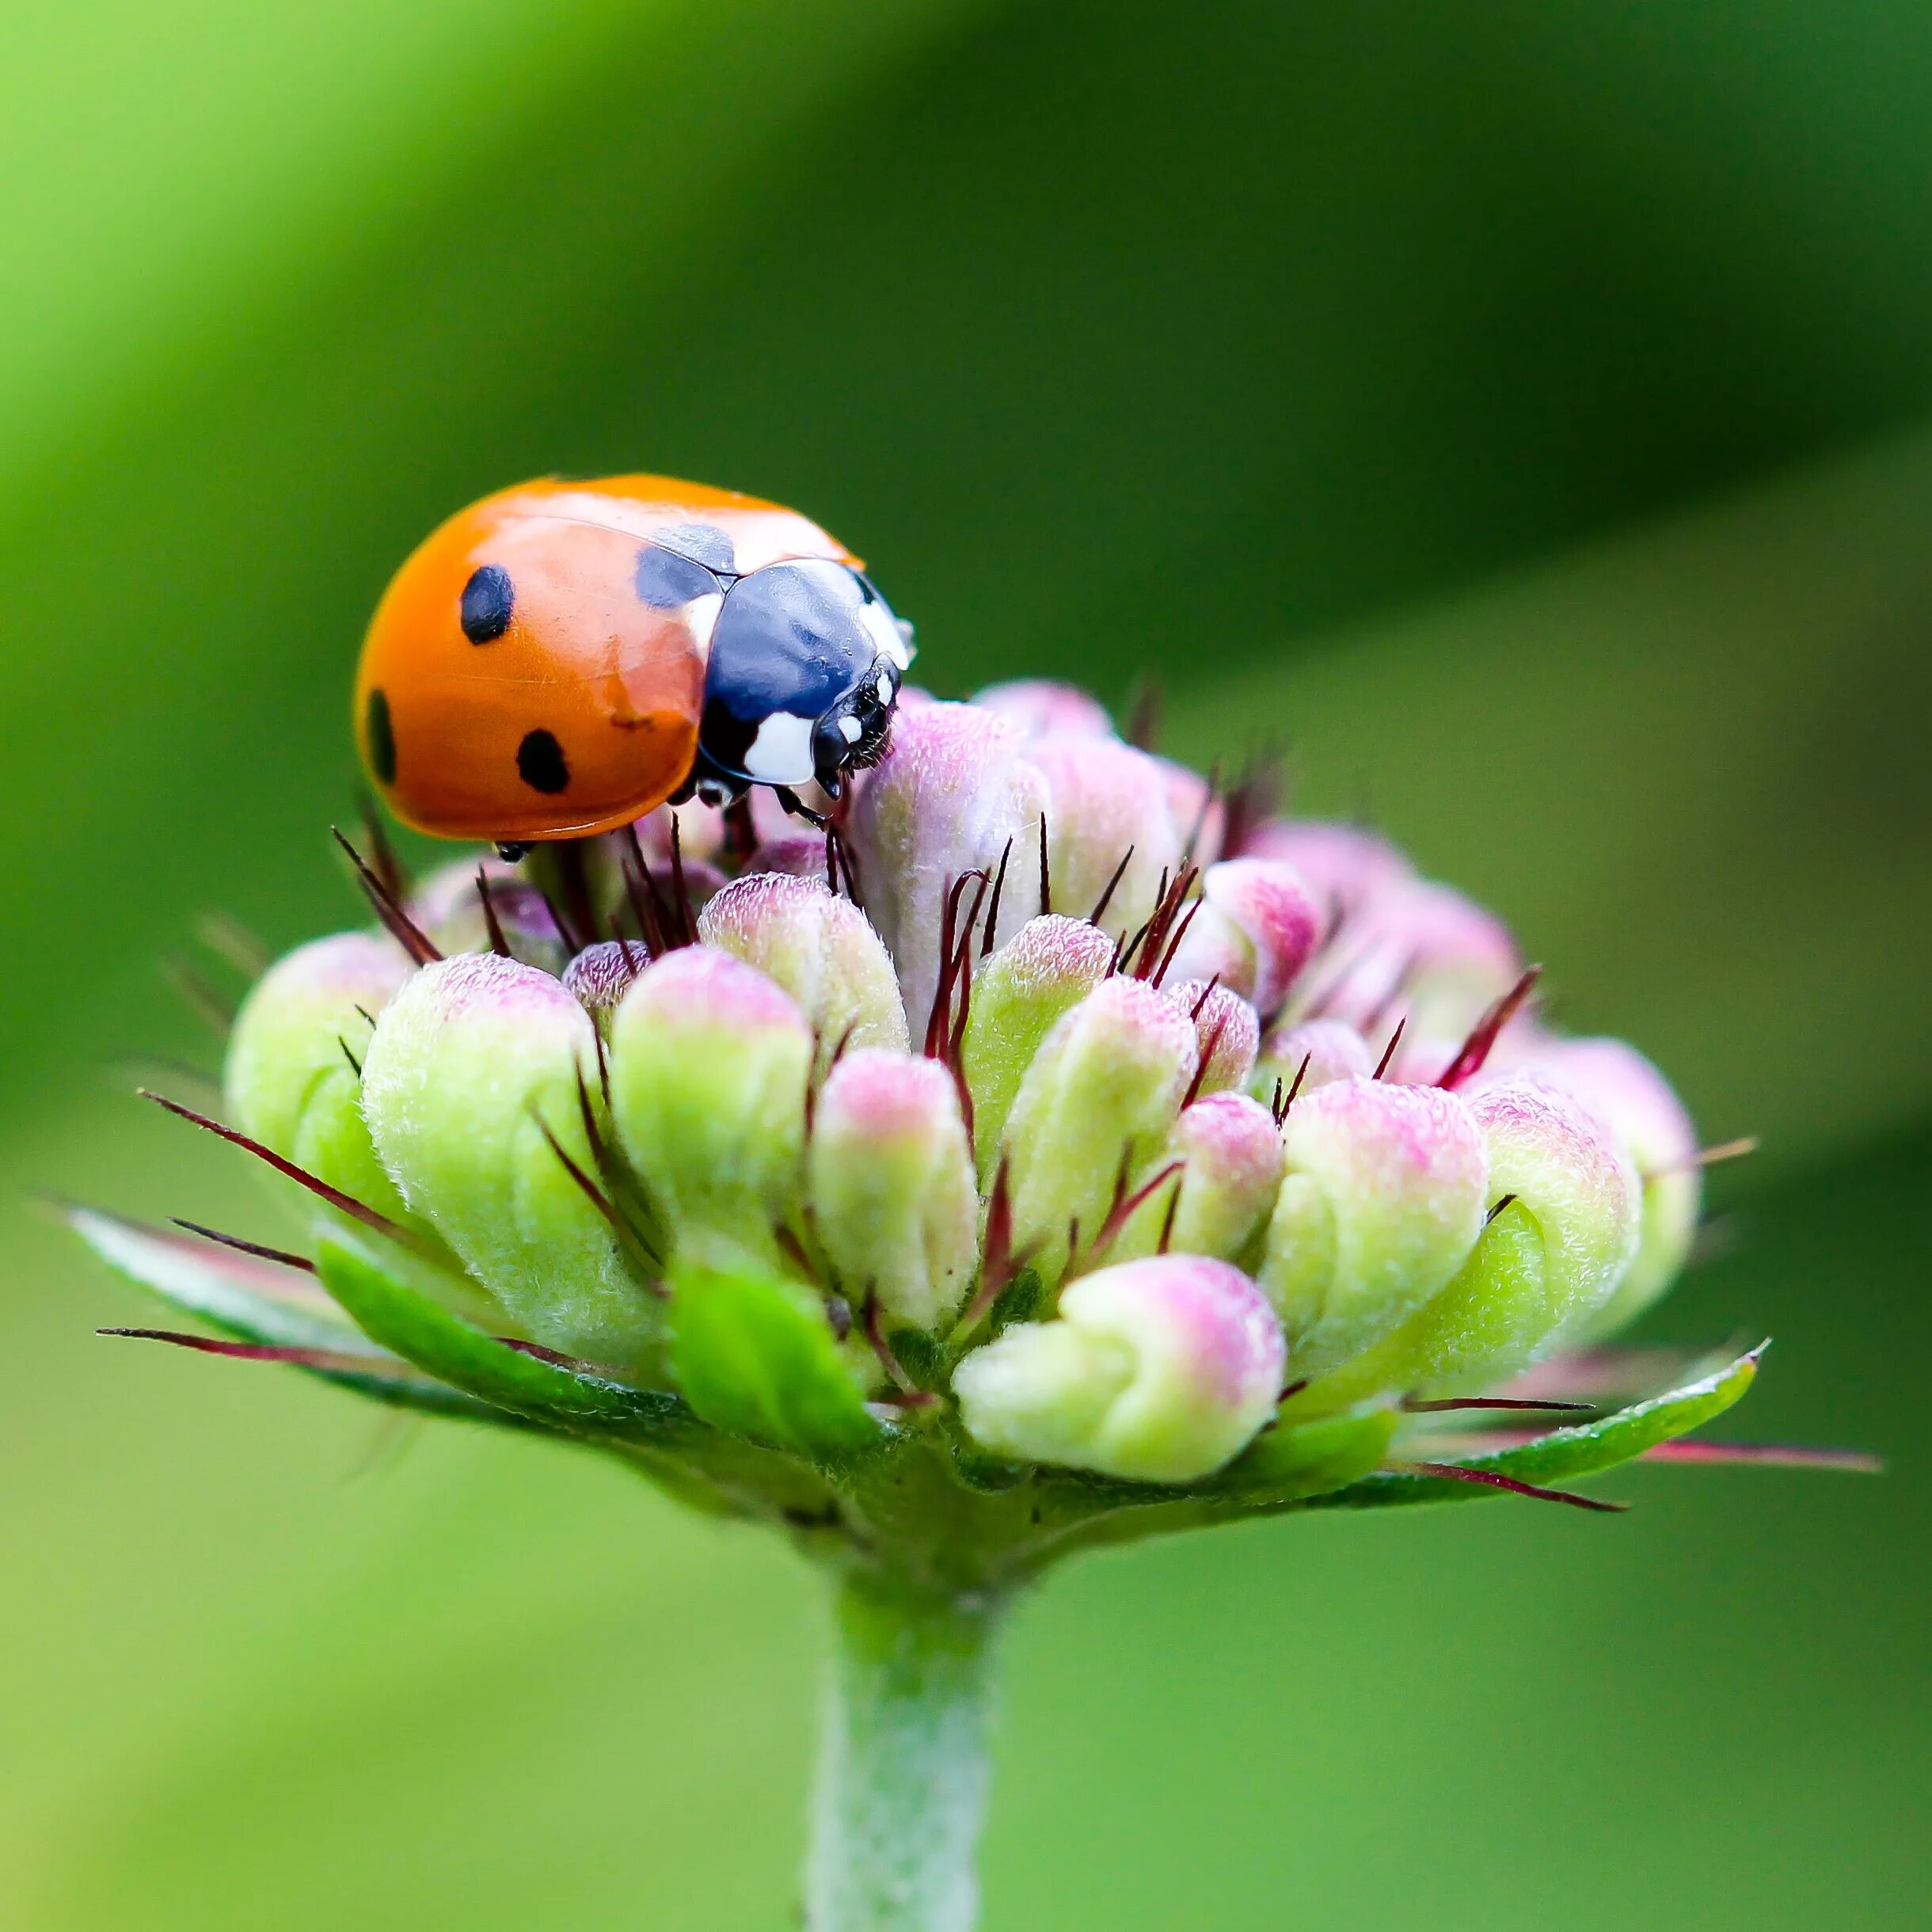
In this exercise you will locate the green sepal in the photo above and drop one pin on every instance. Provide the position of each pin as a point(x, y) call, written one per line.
point(446, 1346)
point(1565, 1455)
point(245, 1299)
point(1292, 1464)
point(755, 1357)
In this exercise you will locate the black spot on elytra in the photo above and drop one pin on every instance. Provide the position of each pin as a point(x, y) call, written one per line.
point(489, 599)
point(379, 737)
point(540, 762)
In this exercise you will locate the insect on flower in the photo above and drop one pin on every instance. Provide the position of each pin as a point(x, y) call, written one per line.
point(561, 657)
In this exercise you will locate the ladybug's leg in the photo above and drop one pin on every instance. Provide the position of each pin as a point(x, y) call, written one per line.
point(798, 808)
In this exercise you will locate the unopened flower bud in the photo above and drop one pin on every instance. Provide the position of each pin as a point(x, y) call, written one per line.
point(821, 948)
point(1315, 1054)
point(1561, 1231)
point(600, 975)
point(1159, 1371)
point(799, 854)
point(1384, 1197)
point(449, 907)
point(1231, 1160)
point(954, 794)
point(292, 1078)
point(1344, 866)
point(1256, 928)
point(1099, 1097)
point(710, 1059)
point(1018, 995)
point(1633, 1098)
point(1041, 708)
point(891, 1179)
point(1228, 1031)
point(1106, 814)
point(477, 1066)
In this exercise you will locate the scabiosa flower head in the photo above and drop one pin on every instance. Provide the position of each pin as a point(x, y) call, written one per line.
point(1048, 1112)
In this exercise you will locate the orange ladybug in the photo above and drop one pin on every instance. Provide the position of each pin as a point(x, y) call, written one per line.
point(560, 658)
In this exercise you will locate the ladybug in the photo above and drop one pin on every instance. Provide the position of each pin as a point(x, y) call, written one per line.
point(561, 657)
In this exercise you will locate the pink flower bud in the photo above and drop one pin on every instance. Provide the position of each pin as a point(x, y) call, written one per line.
point(1344, 866)
point(822, 950)
point(1107, 802)
point(1230, 1171)
point(1040, 709)
point(600, 975)
point(1256, 929)
point(1227, 1029)
point(892, 1187)
point(1384, 1195)
point(448, 907)
point(954, 794)
point(1159, 1371)
point(1316, 1054)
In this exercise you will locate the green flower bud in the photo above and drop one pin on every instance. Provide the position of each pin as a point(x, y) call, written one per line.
point(1099, 1100)
point(1384, 1198)
point(1635, 1099)
point(820, 949)
point(601, 975)
point(291, 1079)
point(1159, 1371)
point(471, 1063)
point(1230, 1173)
point(1227, 1029)
point(1551, 1254)
point(710, 1059)
point(1316, 1054)
point(891, 1179)
point(1018, 995)
point(1255, 930)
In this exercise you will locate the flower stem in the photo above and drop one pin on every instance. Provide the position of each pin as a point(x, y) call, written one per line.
point(901, 1781)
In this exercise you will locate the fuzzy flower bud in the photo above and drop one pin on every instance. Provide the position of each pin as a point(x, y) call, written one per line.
point(290, 1079)
point(471, 1063)
point(1384, 1200)
point(1107, 803)
point(1344, 866)
point(1633, 1098)
point(891, 1179)
point(822, 951)
point(1254, 932)
point(1040, 709)
point(1230, 1161)
point(1160, 1371)
point(954, 794)
point(1316, 1054)
point(1019, 994)
point(1226, 1029)
point(710, 1059)
point(1550, 1255)
point(450, 907)
point(1099, 1100)
point(600, 975)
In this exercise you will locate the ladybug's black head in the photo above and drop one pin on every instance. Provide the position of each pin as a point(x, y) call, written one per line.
point(806, 665)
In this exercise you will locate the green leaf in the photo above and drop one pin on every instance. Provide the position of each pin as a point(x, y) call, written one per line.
point(755, 1357)
point(261, 1303)
point(444, 1345)
point(1292, 1464)
point(1565, 1454)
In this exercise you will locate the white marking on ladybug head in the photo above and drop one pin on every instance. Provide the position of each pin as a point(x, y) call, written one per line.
point(780, 754)
point(701, 617)
point(851, 729)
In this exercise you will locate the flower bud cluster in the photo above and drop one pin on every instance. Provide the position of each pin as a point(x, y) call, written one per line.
point(1085, 1121)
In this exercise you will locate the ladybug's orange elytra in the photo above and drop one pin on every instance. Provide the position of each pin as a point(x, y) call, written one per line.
point(561, 657)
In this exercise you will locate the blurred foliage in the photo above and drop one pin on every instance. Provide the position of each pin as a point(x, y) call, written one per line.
point(1240, 342)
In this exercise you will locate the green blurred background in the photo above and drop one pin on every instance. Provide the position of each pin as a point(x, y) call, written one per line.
point(1525, 408)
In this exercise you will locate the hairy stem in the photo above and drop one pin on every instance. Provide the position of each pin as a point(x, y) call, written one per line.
point(902, 1773)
